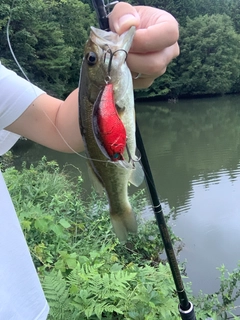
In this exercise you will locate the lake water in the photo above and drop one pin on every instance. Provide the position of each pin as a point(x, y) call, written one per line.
point(194, 152)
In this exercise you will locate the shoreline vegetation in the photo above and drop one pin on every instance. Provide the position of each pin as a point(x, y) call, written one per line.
point(48, 37)
point(85, 272)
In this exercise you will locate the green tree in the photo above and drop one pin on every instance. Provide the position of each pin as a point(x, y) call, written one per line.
point(210, 58)
point(234, 12)
point(47, 38)
point(212, 6)
point(181, 9)
point(75, 18)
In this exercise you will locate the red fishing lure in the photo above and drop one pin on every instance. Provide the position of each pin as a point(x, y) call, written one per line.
point(109, 130)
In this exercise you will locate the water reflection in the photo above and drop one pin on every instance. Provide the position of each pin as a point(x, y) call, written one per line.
point(194, 139)
point(194, 151)
point(210, 230)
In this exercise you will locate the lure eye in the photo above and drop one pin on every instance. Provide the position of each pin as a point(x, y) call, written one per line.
point(91, 58)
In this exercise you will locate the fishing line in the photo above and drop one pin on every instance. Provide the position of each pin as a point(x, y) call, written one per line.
point(10, 46)
point(26, 77)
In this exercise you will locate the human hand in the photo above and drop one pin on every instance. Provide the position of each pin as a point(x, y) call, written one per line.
point(154, 44)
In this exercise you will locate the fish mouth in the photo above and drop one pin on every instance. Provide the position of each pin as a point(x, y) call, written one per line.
point(113, 48)
point(112, 40)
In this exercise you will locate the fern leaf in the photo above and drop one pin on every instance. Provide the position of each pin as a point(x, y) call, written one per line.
point(57, 295)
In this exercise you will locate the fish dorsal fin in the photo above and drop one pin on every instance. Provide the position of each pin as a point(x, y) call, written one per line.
point(137, 175)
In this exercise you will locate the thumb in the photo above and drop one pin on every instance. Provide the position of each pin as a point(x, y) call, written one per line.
point(122, 17)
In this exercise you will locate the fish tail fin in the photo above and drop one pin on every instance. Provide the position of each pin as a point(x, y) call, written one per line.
point(123, 224)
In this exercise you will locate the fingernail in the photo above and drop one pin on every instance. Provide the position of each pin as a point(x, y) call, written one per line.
point(125, 22)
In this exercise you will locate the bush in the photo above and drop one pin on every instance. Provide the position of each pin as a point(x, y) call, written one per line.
point(85, 272)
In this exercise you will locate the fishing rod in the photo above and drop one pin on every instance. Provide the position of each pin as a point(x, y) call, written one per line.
point(185, 307)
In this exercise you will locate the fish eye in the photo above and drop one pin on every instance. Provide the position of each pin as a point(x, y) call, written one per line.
point(91, 58)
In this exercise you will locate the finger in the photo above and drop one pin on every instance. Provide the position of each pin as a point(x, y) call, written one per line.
point(122, 17)
point(152, 63)
point(158, 29)
point(139, 75)
point(142, 83)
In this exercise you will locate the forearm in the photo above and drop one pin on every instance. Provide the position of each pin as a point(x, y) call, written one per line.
point(67, 125)
point(52, 123)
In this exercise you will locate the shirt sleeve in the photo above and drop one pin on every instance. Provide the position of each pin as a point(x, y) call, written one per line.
point(16, 94)
point(22, 297)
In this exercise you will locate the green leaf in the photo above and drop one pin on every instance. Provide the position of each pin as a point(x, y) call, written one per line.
point(64, 223)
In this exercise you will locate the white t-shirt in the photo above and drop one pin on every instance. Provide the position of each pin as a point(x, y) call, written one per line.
point(21, 295)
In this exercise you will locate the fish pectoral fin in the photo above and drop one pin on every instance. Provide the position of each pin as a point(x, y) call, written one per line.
point(137, 175)
point(95, 181)
point(123, 164)
point(123, 224)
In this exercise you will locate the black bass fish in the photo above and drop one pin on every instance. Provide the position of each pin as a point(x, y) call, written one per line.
point(105, 74)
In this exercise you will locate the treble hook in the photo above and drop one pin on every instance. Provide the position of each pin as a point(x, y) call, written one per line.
point(130, 159)
point(111, 53)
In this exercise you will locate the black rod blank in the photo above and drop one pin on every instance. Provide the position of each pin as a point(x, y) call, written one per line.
point(185, 307)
